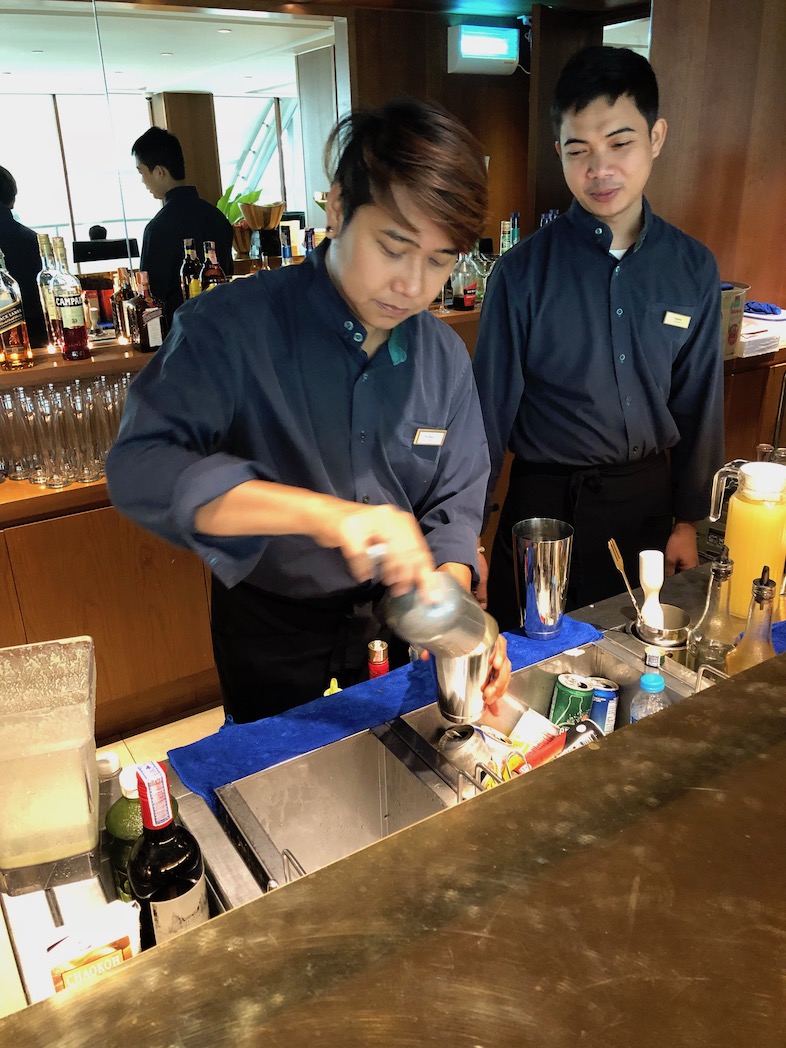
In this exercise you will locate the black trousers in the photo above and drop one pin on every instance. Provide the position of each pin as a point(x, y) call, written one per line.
point(630, 503)
point(273, 653)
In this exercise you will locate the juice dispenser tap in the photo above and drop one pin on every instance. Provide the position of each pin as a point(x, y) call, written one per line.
point(755, 524)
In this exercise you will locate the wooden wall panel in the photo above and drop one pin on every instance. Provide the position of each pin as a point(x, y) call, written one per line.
point(722, 175)
point(316, 88)
point(191, 117)
point(403, 52)
point(12, 630)
point(143, 602)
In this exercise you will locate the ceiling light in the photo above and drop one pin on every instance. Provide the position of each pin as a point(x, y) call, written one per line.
point(36, 52)
point(167, 54)
point(223, 30)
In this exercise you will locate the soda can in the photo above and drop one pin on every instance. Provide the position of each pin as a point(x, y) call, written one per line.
point(573, 738)
point(570, 700)
point(465, 747)
point(605, 699)
point(654, 657)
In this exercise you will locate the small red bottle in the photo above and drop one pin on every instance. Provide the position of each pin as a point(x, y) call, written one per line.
point(377, 658)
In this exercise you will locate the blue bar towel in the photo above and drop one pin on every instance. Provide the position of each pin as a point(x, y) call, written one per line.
point(237, 750)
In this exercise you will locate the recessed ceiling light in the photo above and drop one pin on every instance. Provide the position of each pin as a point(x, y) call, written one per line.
point(248, 77)
point(224, 30)
point(167, 54)
point(36, 52)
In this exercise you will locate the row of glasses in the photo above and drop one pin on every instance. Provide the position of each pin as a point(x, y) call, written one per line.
point(60, 433)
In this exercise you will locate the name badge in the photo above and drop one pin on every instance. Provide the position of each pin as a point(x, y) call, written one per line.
point(676, 319)
point(430, 438)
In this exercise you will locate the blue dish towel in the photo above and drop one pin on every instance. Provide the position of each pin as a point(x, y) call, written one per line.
point(779, 637)
point(237, 750)
point(751, 306)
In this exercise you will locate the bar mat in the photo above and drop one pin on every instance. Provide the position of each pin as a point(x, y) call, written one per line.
point(237, 750)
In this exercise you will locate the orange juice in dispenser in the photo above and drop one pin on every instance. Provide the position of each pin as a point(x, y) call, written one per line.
point(755, 526)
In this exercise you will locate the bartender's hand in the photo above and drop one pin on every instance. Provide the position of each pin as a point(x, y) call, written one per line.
point(406, 560)
point(481, 590)
point(682, 551)
point(499, 676)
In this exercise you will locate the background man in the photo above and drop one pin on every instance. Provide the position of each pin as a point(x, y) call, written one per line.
point(295, 418)
point(23, 261)
point(598, 359)
point(159, 161)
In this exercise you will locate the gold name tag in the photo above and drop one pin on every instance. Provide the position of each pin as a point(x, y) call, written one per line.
point(676, 319)
point(432, 438)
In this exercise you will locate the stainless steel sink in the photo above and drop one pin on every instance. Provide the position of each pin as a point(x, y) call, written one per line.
point(313, 810)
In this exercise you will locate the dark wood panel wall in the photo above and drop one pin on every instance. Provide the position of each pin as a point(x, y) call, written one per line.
point(722, 175)
point(403, 52)
point(191, 117)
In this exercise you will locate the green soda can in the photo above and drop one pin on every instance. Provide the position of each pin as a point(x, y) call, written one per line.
point(571, 699)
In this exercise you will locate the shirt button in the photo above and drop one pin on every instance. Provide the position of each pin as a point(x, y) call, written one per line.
point(365, 499)
point(212, 561)
point(365, 376)
point(358, 337)
point(622, 358)
point(627, 400)
point(348, 325)
point(616, 269)
point(635, 447)
point(362, 436)
point(619, 313)
point(598, 231)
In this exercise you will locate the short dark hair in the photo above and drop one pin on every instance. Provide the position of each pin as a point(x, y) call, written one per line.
point(421, 148)
point(158, 146)
point(7, 188)
point(604, 72)
point(97, 232)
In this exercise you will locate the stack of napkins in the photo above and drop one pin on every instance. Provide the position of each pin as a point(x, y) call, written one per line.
point(758, 336)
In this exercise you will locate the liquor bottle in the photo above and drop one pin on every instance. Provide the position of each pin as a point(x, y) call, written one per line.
point(123, 294)
point(650, 698)
point(15, 351)
point(145, 317)
point(67, 292)
point(504, 236)
point(482, 266)
point(44, 281)
point(756, 644)
point(190, 279)
point(464, 281)
point(211, 273)
point(714, 635)
point(124, 827)
point(166, 873)
point(515, 227)
point(378, 663)
point(285, 236)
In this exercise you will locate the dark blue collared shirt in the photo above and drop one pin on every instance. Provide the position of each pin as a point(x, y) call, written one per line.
point(265, 378)
point(583, 359)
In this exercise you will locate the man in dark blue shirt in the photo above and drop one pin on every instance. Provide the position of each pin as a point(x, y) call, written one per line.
point(598, 360)
point(159, 161)
point(295, 418)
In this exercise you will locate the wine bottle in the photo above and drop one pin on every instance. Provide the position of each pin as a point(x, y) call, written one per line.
point(15, 351)
point(190, 279)
point(67, 293)
point(166, 873)
point(211, 274)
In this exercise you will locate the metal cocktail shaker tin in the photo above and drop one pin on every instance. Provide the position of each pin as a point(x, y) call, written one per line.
point(453, 625)
point(460, 678)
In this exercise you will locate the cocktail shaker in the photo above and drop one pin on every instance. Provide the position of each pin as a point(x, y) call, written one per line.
point(453, 625)
point(460, 678)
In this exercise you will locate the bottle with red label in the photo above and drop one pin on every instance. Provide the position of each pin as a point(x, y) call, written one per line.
point(166, 873)
point(378, 663)
point(464, 281)
point(67, 293)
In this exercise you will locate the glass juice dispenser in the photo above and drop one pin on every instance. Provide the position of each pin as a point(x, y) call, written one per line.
point(755, 526)
point(48, 772)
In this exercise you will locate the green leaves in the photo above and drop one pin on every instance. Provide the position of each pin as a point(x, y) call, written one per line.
point(230, 206)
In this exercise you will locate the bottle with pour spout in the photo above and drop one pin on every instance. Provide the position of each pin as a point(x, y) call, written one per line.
point(756, 644)
point(755, 526)
point(714, 635)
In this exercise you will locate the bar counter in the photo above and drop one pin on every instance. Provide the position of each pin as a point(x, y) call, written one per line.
point(628, 894)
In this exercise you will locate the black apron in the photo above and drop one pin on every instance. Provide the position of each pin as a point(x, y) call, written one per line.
point(630, 502)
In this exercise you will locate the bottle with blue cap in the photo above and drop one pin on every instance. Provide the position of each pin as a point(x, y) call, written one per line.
point(650, 698)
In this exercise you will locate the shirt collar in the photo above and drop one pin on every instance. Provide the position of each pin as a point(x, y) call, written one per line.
point(180, 191)
point(326, 298)
point(595, 229)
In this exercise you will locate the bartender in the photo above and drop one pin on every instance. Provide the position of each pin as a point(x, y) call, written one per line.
point(293, 419)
